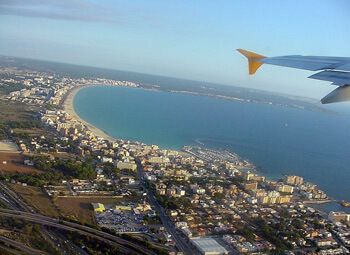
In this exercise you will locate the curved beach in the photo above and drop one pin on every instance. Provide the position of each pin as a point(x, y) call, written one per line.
point(69, 108)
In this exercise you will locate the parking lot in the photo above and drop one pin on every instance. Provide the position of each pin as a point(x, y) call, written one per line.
point(125, 221)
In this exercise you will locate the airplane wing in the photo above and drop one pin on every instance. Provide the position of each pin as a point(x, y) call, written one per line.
point(332, 69)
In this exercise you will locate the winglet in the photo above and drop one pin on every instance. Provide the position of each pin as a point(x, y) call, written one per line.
point(252, 60)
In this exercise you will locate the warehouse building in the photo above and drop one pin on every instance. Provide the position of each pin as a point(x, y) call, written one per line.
point(209, 246)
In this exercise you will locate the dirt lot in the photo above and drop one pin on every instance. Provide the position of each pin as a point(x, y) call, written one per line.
point(8, 146)
point(73, 207)
point(81, 208)
point(36, 198)
point(14, 164)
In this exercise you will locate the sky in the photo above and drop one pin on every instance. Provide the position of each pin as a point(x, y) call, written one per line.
point(195, 40)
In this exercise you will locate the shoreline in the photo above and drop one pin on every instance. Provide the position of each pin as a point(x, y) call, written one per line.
point(68, 107)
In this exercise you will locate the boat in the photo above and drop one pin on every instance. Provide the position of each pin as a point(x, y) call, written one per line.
point(344, 203)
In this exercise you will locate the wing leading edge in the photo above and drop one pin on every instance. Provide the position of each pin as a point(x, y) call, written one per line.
point(333, 69)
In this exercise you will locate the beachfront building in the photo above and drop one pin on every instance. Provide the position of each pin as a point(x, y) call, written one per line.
point(293, 180)
point(285, 189)
point(339, 216)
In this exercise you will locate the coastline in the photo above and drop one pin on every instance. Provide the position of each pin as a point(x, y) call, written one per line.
point(67, 105)
point(69, 108)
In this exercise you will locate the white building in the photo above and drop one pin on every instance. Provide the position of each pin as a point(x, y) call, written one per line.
point(209, 246)
point(339, 216)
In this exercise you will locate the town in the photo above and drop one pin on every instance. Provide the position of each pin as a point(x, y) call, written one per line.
point(198, 200)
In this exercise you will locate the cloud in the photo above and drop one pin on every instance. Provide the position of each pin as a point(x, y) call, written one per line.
point(77, 10)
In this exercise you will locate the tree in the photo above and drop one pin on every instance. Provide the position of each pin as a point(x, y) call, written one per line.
point(36, 228)
point(297, 223)
point(247, 233)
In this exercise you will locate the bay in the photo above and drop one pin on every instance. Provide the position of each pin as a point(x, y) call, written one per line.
point(281, 140)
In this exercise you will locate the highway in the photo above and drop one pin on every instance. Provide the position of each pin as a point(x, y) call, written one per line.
point(15, 198)
point(10, 250)
point(67, 244)
point(7, 200)
point(39, 220)
point(54, 240)
point(125, 245)
point(14, 202)
point(20, 246)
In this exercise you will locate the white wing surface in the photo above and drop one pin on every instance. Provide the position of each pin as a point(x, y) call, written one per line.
point(332, 69)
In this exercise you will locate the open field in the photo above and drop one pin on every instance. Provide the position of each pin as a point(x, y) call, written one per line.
point(8, 146)
point(16, 111)
point(37, 199)
point(81, 208)
point(36, 131)
point(61, 155)
point(14, 164)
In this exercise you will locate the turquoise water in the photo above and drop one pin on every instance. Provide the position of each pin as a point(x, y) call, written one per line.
point(280, 140)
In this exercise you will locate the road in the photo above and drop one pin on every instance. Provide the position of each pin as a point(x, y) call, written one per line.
point(10, 250)
point(15, 198)
point(7, 200)
point(39, 220)
point(68, 245)
point(14, 202)
point(20, 246)
point(180, 242)
point(49, 238)
point(128, 246)
point(29, 215)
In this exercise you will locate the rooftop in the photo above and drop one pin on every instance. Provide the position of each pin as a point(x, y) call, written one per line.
point(209, 245)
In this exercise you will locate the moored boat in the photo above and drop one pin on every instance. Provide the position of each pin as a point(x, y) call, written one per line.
point(344, 203)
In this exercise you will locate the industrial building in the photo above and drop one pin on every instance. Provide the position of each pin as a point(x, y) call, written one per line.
point(98, 207)
point(209, 246)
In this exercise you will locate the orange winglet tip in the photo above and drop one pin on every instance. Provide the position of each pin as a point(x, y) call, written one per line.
point(252, 60)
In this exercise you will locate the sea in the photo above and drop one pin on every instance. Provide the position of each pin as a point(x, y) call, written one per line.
point(280, 140)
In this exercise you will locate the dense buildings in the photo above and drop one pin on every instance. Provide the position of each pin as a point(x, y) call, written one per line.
point(339, 216)
point(209, 196)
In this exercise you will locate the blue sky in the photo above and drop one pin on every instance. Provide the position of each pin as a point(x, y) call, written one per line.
point(185, 39)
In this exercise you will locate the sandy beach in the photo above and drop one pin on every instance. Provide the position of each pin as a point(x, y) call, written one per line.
point(69, 108)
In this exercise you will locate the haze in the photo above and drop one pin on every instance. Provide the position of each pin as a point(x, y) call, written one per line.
point(185, 39)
